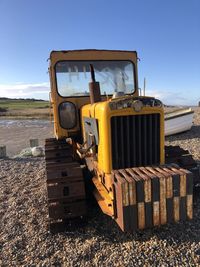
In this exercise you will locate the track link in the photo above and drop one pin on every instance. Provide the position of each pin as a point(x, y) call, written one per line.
point(65, 185)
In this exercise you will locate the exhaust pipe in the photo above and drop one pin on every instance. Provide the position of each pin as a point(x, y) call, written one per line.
point(95, 93)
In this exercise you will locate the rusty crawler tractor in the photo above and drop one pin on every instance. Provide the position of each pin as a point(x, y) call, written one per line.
point(118, 136)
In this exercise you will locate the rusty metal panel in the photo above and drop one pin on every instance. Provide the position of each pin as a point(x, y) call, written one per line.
point(189, 207)
point(126, 205)
point(182, 185)
point(133, 214)
point(156, 213)
point(170, 208)
point(55, 161)
point(121, 202)
point(141, 215)
point(183, 209)
point(63, 188)
point(140, 193)
point(147, 197)
point(176, 203)
point(156, 206)
point(189, 193)
point(157, 195)
point(189, 184)
point(156, 201)
point(148, 214)
point(169, 196)
point(49, 154)
point(177, 185)
point(162, 198)
point(176, 181)
point(63, 171)
point(64, 209)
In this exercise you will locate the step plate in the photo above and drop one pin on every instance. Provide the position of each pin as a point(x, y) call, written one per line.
point(152, 196)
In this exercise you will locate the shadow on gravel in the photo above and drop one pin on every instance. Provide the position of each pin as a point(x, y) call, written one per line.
point(193, 133)
point(104, 229)
point(24, 159)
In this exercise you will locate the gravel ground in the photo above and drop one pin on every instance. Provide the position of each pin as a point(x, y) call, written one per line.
point(189, 140)
point(25, 240)
point(15, 134)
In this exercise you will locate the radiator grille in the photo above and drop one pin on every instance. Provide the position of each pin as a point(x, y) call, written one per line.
point(135, 140)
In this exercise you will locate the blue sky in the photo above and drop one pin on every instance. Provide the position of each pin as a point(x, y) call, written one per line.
point(166, 35)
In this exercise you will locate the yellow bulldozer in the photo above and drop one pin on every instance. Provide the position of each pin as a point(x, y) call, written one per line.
point(110, 139)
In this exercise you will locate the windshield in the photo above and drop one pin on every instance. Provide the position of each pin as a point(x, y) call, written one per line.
point(114, 76)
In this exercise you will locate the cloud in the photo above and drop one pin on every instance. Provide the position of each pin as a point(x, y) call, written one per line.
point(41, 91)
point(170, 98)
point(25, 90)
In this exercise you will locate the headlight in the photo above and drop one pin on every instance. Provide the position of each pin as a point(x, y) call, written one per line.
point(67, 114)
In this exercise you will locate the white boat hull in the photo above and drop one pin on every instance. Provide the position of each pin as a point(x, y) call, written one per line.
point(179, 121)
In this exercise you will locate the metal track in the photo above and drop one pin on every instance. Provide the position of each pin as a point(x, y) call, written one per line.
point(182, 157)
point(65, 184)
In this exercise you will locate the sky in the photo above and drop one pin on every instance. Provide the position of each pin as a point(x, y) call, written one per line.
point(165, 34)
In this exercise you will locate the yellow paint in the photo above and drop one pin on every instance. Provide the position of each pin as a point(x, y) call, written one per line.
point(103, 114)
point(56, 99)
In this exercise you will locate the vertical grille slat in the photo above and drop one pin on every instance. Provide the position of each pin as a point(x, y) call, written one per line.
point(155, 137)
point(133, 150)
point(144, 128)
point(128, 146)
point(139, 158)
point(122, 139)
point(135, 140)
point(150, 140)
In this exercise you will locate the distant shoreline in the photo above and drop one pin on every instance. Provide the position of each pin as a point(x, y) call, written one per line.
point(24, 117)
point(26, 114)
point(24, 109)
point(31, 109)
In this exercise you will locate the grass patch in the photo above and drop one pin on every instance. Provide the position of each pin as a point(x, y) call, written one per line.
point(23, 108)
point(5, 109)
point(15, 104)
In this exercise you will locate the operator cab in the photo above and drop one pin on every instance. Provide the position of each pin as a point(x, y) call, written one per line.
point(116, 72)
